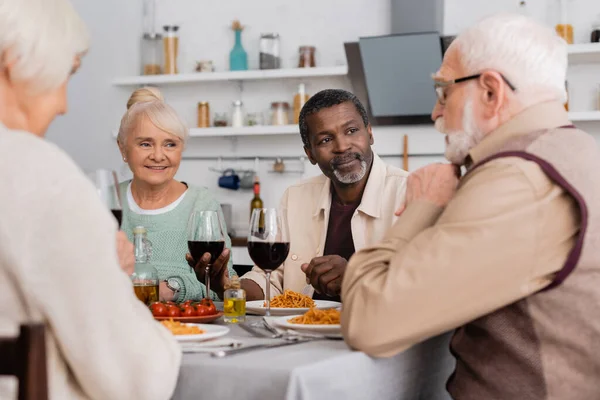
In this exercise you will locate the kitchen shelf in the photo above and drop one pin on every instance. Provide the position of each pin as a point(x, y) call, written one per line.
point(257, 130)
point(250, 75)
point(584, 115)
point(584, 53)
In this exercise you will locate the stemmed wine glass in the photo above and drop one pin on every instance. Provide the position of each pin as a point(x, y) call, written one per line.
point(206, 235)
point(107, 186)
point(268, 244)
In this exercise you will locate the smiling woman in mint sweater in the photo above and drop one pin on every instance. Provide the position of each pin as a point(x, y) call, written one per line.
point(151, 140)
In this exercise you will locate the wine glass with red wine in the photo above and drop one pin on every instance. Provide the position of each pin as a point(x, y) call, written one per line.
point(107, 185)
point(206, 235)
point(268, 244)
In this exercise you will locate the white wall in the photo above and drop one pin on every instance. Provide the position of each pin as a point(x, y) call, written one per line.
point(96, 106)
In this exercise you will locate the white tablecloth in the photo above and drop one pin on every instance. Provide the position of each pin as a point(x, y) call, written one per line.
point(325, 370)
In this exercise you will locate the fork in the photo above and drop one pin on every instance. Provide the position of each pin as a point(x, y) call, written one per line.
point(276, 334)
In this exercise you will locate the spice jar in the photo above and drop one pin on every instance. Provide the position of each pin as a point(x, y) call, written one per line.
point(279, 113)
point(151, 54)
point(171, 48)
point(595, 36)
point(203, 114)
point(237, 114)
point(220, 119)
point(253, 119)
point(270, 58)
point(299, 100)
point(563, 28)
point(306, 57)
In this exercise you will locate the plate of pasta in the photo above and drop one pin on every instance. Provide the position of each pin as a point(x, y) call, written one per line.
point(184, 332)
point(289, 303)
point(315, 320)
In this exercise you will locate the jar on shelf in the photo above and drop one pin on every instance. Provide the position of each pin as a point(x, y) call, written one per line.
point(237, 114)
point(563, 28)
point(254, 119)
point(171, 48)
point(270, 57)
point(220, 119)
point(306, 58)
point(203, 114)
point(152, 54)
point(280, 113)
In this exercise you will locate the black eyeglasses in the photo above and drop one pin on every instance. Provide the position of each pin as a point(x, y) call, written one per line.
point(440, 86)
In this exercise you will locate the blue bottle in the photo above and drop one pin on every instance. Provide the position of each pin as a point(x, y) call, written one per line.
point(238, 58)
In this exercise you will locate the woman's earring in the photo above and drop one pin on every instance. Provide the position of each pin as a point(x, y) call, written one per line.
point(124, 159)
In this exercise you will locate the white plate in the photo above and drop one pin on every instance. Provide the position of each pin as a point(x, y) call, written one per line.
point(283, 322)
point(211, 331)
point(257, 307)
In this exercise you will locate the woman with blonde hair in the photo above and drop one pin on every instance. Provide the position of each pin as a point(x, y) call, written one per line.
point(151, 140)
point(60, 264)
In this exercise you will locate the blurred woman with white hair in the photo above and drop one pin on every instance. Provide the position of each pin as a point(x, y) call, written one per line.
point(151, 140)
point(60, 264)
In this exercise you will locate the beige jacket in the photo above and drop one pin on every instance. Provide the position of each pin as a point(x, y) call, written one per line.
point(307, 205)
point(506, 232)
point(59, 266)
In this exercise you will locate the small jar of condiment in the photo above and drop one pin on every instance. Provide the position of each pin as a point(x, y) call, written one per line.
point(203, 114)
point(279, 113)
point(269, 57)
point(220, 119)
point(595, 36)
point(306, 57)
point(152, 54)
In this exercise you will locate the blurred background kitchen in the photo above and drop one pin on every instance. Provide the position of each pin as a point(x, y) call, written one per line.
point(194, 46)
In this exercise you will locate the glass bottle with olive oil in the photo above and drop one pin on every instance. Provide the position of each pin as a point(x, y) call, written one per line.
point(234, 302)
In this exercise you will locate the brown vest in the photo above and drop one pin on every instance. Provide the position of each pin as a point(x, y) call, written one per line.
point(545, 346)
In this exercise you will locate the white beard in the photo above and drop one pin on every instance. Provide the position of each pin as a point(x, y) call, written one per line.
point(460, 142)
point(352, 177)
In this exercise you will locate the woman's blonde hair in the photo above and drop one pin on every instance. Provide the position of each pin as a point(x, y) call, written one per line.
point(148, 102)
point(42, 38)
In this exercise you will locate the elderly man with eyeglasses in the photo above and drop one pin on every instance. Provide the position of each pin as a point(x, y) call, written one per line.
point(509, 254)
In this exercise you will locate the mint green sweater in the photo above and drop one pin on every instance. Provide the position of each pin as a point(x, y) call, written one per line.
point(168, 234)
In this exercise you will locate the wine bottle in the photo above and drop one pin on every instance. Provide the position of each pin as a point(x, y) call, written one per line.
point(256, 200)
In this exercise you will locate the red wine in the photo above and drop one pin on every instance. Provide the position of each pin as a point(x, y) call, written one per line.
point(198, 248)
point(268, 255)
point(118, 215)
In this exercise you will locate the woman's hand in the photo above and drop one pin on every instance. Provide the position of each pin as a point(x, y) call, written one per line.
point(219, 274)
point(125, 253)
point(164, 293)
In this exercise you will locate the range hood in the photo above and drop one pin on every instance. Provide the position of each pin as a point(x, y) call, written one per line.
point(391, 74)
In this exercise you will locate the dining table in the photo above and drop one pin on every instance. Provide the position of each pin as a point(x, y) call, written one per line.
point(315, 369)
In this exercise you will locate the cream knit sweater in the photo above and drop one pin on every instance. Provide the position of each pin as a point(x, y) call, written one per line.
point(58, 265)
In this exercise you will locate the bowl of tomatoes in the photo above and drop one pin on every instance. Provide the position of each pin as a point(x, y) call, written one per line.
point(202, 311)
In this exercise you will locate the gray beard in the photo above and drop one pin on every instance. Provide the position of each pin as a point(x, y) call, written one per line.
point(351, 177)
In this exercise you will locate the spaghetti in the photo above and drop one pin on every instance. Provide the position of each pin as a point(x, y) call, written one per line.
point(315, 316)
point(290, 299)
point(177, 328)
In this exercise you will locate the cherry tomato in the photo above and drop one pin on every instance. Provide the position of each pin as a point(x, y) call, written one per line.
point(171, 303)
point(187, 303)
point(210, 305)
point(188, 311)
point(202, 311)
point(158, 309)
point(173, 311)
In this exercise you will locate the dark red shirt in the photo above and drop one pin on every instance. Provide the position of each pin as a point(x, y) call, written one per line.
point(339, 239)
